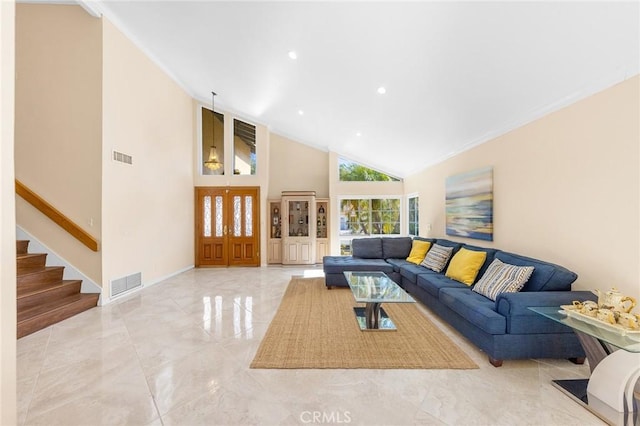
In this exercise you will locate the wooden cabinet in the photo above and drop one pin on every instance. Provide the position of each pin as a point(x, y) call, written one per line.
point(322, 249)
point(275, 251)
point(299, 229)
point(322, 229)
point(274, 240)
point(298, 251)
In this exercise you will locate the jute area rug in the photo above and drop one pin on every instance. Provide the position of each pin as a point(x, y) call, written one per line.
point(316, 328)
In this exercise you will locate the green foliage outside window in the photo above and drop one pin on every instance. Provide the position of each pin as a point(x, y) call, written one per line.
point(354, 172)
point(370, 216)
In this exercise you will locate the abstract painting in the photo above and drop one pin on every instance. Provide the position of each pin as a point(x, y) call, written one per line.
point(469, 204)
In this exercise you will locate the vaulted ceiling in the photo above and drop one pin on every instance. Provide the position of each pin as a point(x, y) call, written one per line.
point(455, 74)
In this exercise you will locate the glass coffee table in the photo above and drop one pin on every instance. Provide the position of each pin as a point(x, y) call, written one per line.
point(373, 289)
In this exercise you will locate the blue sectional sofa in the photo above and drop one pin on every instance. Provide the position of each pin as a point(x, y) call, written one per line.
point(504, 328)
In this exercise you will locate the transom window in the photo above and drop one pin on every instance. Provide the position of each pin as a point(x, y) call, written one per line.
point(212, 142)
point(244, 148)
point(350, 171)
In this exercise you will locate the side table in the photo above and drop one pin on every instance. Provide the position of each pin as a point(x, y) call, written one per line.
point(614, 359)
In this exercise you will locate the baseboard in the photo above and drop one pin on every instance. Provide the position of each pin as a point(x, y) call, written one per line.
point(105, 300)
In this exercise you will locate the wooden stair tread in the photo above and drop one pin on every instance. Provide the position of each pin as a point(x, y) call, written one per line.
point(30, 261)
point(40, 279)
point(32, 296)
point(23, 270)
point(39, 270)
point(29, 255)
point(41, 319)
point(51, 305)
point(52, 287)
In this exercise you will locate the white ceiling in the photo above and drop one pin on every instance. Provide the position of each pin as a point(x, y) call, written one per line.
point(456, 74)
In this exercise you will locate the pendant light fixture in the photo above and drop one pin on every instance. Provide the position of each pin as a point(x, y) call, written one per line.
point(213, 163)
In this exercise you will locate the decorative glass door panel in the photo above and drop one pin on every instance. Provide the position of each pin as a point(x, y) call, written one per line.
point(244, 241)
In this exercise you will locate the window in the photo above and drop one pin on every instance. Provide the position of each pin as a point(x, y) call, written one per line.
point(244, 148)
point(414, 225)
point(351, 171)
point(212, 143)
point(366, 217)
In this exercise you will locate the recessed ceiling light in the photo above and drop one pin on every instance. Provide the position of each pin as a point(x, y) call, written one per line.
point(300, 112)
point(382, 90)
point(293, 54)
point(358, 134)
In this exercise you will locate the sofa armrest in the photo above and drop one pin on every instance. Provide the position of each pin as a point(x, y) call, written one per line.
point(522, 320)
point(509, 304)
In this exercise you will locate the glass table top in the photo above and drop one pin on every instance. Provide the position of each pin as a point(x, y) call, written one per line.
point(616, 336)
point(375, 287)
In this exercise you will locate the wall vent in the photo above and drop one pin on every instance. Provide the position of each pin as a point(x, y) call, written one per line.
point(122, 158)
point(125, 284)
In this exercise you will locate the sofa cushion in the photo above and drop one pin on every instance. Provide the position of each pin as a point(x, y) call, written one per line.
point(367, 248)
point(476, 309)
point(396, 247)
point(431, 240)
point(491, 254)
point(339, 264)
point(465, 264)
point(546, 276)
point(432, 283)
point(410, 271)
point(398, 264)
point(419, 250)
point(502, 278)
point(437, 257)
point(448, 243)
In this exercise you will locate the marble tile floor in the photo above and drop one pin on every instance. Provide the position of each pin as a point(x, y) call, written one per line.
point(178, 353)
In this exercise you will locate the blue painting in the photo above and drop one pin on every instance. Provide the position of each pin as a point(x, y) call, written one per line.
point(469, 204)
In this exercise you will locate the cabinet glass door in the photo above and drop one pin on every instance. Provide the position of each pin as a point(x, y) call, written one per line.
point(298, 218)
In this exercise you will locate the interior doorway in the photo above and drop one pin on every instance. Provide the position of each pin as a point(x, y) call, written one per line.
point(227, 226)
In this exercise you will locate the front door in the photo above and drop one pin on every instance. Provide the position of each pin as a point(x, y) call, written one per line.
point(227, 232)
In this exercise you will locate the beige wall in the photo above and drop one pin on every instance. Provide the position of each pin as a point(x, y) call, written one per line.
point(58, 124)
point(297, 167)
point(7, 218)
point(148, 206)
point(566, 189)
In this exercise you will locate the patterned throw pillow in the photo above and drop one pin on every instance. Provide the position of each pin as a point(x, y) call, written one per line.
point(437, 257)
point(501, 277)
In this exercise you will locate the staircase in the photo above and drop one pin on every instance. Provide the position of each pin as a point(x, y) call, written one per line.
point(44, 297)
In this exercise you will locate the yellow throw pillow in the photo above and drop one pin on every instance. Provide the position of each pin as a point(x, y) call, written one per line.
point(419, 250)
point(465, 265)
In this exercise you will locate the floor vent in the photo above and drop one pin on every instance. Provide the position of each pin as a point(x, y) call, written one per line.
point(124, 284)
point(123, 158)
